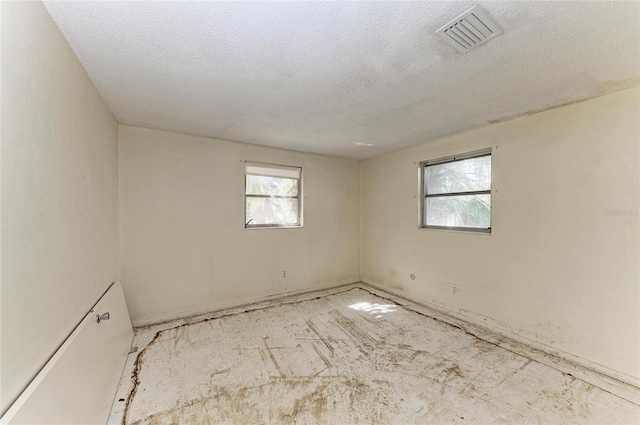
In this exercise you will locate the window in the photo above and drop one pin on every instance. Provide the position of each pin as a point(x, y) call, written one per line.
point(272, 195)
point(456, 192)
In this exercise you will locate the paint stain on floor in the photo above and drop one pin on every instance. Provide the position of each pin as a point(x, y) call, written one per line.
point(351, 357)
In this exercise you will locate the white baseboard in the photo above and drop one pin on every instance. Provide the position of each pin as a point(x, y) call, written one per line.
point(621, 384)
point(236, 303)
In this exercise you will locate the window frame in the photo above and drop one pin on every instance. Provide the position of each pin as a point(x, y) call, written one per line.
point(422, 221)
point(299, 197)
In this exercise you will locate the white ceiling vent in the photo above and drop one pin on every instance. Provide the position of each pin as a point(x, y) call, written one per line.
point(469, 30)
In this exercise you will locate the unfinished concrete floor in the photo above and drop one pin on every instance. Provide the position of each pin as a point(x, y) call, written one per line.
point(347, 356)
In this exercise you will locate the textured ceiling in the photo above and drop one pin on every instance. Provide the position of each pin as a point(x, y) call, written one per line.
point(324, 77)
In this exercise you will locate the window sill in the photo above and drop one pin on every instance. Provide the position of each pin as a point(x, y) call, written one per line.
point(467, 231)
point(273, 227)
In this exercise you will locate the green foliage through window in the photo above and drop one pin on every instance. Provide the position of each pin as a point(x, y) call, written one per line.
point(457, 193)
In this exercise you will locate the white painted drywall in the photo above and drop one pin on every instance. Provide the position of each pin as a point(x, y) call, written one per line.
point(556, 269)
point(184, 248)
point(59, 193)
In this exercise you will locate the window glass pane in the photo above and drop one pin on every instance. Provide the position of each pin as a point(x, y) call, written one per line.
point(460, 176)
point(272, 211)
point(274, 186)
point(459, 211)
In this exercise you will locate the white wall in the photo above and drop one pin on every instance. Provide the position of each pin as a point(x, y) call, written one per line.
point(59, 194)
point(184, 248)
point(556, 270)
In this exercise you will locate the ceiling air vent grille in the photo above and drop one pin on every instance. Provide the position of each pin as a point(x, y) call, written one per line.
point(469, 30)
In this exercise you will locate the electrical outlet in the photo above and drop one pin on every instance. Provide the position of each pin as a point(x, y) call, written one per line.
point(455, 289)
point(283, 274)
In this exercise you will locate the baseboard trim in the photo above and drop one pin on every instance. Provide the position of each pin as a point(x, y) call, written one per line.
point(618, 383)
point(156, 320)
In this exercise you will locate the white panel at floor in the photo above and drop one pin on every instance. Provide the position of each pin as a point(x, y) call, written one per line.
point(77, 385)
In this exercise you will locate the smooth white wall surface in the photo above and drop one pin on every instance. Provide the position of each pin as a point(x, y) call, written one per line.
point(184, 248)
point(59, 194)
point(557, 269)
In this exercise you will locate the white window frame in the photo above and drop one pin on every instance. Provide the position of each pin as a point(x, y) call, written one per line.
point(423, 192)
point(299, 224)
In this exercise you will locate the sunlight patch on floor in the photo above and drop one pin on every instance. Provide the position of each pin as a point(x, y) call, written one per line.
point(374, 308)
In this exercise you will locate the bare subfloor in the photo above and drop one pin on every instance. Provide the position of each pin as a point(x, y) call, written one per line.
point(345, 357)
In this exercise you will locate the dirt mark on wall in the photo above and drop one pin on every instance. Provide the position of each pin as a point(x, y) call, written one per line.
point(602, 88)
